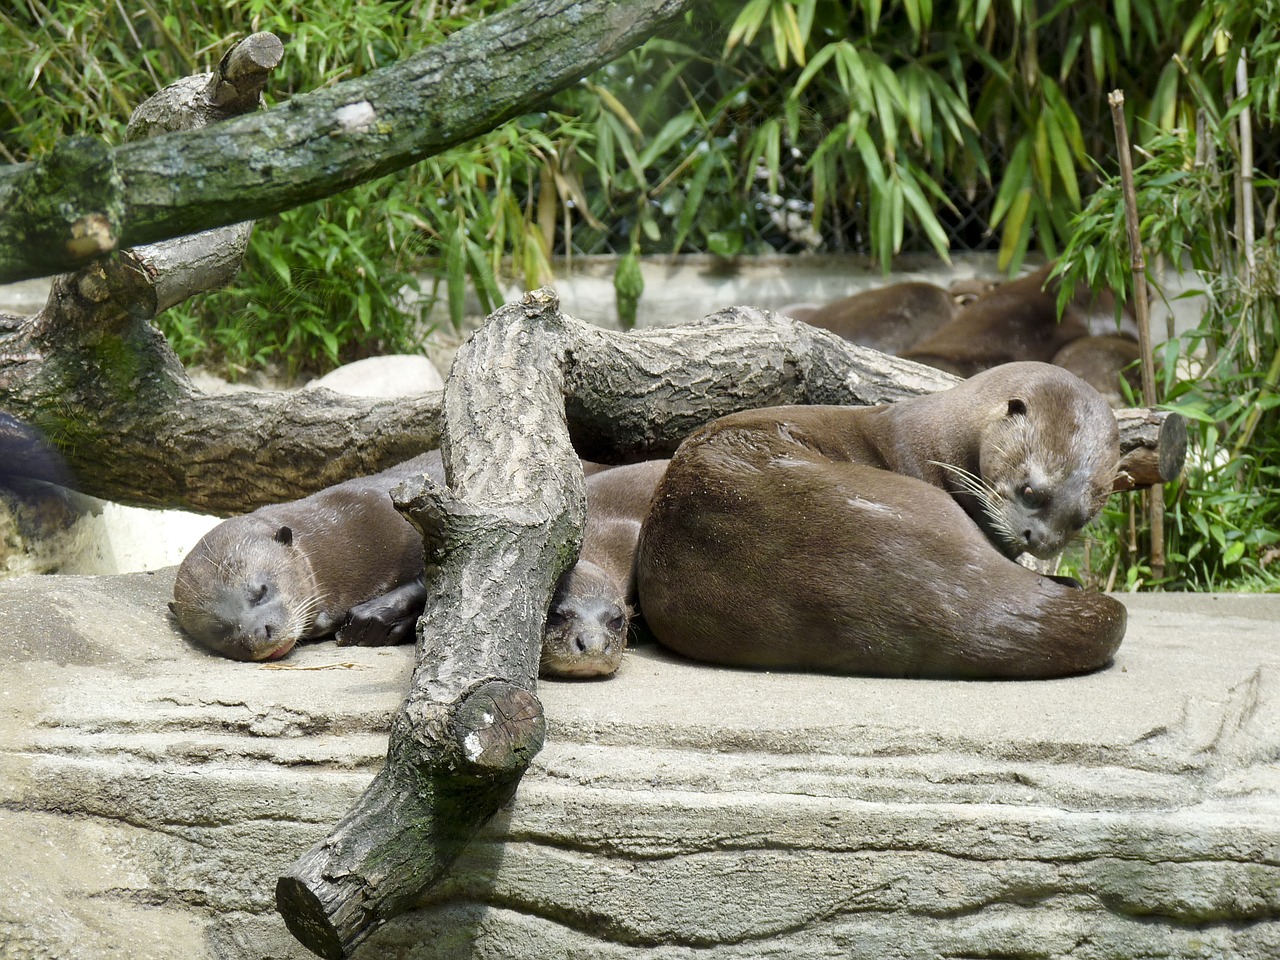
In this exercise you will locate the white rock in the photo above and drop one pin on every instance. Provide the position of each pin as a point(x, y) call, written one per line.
point(395, 375)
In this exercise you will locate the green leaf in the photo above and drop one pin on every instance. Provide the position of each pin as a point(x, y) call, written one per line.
point(747, 24)
point(693, 199)
point(671, 133)
point(1124, 21)
point(482, 274)
point(455, 271)
point(816, 63)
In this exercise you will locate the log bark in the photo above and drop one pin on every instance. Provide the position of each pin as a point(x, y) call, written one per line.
point(85, 199)
point(108, 392)
point(497, 541)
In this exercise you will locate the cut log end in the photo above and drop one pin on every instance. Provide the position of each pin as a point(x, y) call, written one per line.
point(498, 729)
point(1153, 448)
point(306, 918)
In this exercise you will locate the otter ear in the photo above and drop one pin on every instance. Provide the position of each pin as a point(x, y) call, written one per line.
point(1017, 407)
point(285, 536)
point(173, 607)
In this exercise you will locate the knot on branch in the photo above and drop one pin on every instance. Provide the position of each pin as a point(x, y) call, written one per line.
point(543, 307)
point(243, 72)
point(70, 202)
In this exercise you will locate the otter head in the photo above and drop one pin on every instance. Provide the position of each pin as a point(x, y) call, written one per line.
point(245, 593)
point(586, 625)
point(1047, 462)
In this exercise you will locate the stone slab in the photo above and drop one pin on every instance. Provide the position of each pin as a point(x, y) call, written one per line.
point(150, 793)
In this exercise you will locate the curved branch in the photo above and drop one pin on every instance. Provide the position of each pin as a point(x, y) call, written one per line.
point(496, 543)
point(317, 144)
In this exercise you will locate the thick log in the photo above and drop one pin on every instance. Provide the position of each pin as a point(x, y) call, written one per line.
point(497, 541)
point(314, 146)
point(138, 432)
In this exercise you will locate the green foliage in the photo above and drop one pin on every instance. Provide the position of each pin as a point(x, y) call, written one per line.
point(747, 128)
point(316, 291)
point(1223, 515)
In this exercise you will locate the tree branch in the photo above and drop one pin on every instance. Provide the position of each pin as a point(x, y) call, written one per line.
point(85, 199)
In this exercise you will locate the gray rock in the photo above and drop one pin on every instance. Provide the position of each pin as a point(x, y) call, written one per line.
point(152, 793)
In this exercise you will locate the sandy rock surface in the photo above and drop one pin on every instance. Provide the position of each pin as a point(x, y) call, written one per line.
point(150, 793)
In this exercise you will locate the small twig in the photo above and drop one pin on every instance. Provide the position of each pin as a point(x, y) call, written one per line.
point(1139, 266)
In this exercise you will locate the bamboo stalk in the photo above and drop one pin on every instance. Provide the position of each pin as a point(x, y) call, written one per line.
point(1246, 168)
point(1139, 267)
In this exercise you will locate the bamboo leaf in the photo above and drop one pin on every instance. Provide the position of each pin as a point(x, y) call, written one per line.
point(747, 24)
point(672, 132)
point(795, 37)
point(925, 216)
point(693, 199)
point(912, 8)
point(1017, 177)
point(616, 107)
point(819, 61)
point(980, 15)
point(455, 271)
point(1124, 20)
point(871, 161)
point(482, 275)
point(1063, 160)
point(1016, 233)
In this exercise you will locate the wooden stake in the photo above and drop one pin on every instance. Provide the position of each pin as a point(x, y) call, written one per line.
point(1139, 266)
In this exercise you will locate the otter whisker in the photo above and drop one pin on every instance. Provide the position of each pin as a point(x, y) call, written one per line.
point(987, 496)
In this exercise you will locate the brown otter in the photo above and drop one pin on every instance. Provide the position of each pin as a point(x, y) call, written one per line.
point(593, 603)
point(844, 539)
point(1101, 362)
point(1014, 321)
point(889, 318)
point(255, 585)
point(345, 560)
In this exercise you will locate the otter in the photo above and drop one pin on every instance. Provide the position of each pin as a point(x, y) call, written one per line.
point(1101, 362)
point(889, 319)
point(594, 601)
point(1017, 320)
point(255, 585)
point(880, 540)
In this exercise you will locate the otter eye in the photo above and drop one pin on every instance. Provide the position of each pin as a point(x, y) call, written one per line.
point(616, 624)
point(1031, 497)
point(1017, 407)
point(555, 618)
point(258, 595)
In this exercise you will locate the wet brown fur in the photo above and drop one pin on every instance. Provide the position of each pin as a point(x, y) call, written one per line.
point(889, 318)
point(594, 602)
point(830, 538)
point(1014, 321)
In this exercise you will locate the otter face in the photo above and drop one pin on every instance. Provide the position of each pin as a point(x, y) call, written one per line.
point(245, 595)
point(1046, 471)
point(586, 626)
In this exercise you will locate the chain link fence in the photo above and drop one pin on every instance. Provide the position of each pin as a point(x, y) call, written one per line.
point(781, 220)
